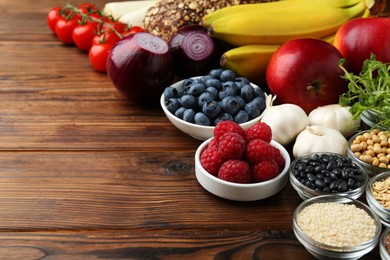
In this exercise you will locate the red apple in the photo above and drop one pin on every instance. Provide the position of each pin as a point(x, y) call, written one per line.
point(305, 72)
point(358, 38)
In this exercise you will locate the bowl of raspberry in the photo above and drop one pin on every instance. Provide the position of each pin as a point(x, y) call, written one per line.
point(242, 164)
point(195, 105)
point(325, 173)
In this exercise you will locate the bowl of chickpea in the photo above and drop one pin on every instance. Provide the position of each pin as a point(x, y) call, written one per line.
point(371, 150)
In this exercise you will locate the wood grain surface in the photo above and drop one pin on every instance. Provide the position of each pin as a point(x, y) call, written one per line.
point(85, 174)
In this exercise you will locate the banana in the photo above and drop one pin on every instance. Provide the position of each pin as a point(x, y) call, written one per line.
point(255, 25)
point(281, 5)
point(249, 61)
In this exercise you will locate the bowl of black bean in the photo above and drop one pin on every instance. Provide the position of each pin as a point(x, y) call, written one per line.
point(318, 174)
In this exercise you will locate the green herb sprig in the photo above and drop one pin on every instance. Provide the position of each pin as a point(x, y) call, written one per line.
point(370, 90)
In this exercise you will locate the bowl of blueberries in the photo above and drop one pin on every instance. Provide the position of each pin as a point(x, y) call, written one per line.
point(325, 173)
point(195, 105)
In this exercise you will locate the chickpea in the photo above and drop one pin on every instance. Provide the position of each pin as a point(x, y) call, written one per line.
point(384, 159)
point(356, 147)
point(369, 152)
point(376, 139)
point(375, 162)
point(367, 136)
point(382, 165)
point(377, 149)
point(366, 158)
point(369, 142)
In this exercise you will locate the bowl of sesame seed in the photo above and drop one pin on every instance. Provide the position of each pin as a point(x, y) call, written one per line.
point(336, 227)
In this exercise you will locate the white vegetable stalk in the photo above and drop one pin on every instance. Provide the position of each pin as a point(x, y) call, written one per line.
point(119, 9)
point(317, 138)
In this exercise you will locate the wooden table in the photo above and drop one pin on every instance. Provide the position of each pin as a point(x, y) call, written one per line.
point(85, 174)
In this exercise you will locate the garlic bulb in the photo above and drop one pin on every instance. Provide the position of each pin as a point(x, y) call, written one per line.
point(335, 116)
point(286, 121)
point(317, 138)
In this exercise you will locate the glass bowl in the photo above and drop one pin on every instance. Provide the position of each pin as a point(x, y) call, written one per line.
point(349, 250)
point(305, 191)
point(380, 210)
point(383, 245)
point(369, 168)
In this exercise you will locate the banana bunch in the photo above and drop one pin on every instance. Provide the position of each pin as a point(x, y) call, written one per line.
point(257, 30)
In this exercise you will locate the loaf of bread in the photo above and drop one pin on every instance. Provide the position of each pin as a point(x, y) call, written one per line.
point(166, 16)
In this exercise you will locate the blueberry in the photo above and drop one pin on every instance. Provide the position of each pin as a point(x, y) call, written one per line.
point(213, 91)
point(172, 105)
point(227, 75)
point(215, 83)
point(242, 81)
point(180, 112)
point(187, 84)
point(189, 115)
point(215, 73)
point(227, 90)
point(241, 117)
point(196, 88)
point(231, 84)
point(223, 117)
point(204, 97)
point(247, 93)
point(255, 107)
point(211, 109)
point(170, 92)
point(231, 105)
point(201, 119)
point(259, 92)
point(205, 78)
point(188, 101)
point(240, 101)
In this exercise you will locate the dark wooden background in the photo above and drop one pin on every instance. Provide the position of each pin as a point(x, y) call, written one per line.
point(85, 174)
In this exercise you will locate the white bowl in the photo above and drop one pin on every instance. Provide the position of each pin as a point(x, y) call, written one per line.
point(203, 132)
point(237, 191)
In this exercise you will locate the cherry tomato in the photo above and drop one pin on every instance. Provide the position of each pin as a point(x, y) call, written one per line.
point(115, 26)
point(133, 30)
point(52, 17)
point(83, 35)
point(107, 37)
point(98, 56)
point(64, 29)
point(136, 29)
point(86, 8)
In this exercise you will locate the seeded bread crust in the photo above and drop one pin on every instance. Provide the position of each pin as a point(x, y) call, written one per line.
point(166, 16)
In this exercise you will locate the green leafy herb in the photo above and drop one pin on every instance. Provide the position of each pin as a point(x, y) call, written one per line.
point(370, 90)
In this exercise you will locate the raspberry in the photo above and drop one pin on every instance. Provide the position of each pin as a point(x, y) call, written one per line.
point(235, 171)
point(258, 150)
point(259, 130)
point(265, 170)
point(279, 158)
point(212, 143)
point(211, 159)
point(227, 127)
point(232, 146)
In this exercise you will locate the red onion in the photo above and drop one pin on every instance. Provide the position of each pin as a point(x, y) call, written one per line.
point(140, 67)
point(194, 52)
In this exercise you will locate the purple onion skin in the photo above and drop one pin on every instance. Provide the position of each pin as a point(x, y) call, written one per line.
point(141, 67)
point(204, 57)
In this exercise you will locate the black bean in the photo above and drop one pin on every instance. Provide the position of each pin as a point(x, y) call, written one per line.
point(320, 176)
point(310, 177)
point(334, 184)
point(342, 186)
point(319, 183)
point(351, 183)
